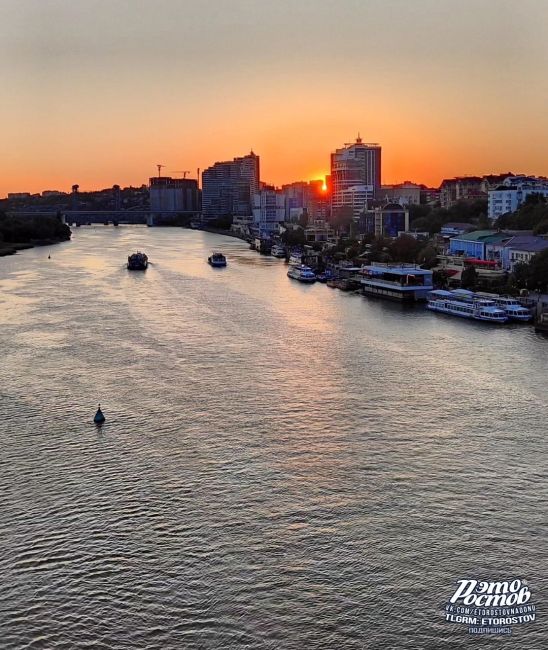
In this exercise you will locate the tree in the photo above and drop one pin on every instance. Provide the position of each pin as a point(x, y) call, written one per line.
point(404, 249)
point(428, 256)
point(538, 268)
point(294, 237)
point(521, 276)
point(469, 278)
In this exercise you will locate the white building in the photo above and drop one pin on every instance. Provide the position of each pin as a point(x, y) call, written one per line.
point(514, 190)
point(356, 197)
point(268, 211)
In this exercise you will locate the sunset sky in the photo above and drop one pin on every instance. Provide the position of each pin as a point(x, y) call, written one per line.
point(97, 92)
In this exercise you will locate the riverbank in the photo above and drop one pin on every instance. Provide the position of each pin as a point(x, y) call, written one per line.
point(10, 249)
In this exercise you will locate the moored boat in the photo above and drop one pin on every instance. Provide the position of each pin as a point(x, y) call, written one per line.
point(137, 262)
point(301, 273)
point(483, 310)
point(512, 307)
point(217, 259)
point(277, 250)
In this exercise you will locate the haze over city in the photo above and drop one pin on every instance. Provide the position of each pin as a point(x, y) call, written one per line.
point(99, 92)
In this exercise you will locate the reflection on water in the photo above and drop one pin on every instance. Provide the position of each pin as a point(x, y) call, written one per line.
point(282, 466)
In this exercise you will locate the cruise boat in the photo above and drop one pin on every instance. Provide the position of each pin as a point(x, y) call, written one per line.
point(483, 310)
point(277, 250)
point(301, 273)
point(137, 262)
point(217, 259)
point(512, 307)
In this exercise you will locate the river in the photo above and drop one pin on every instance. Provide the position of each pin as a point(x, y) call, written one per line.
point(282, 466)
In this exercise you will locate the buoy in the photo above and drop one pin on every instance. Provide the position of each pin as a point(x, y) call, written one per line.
point(99, 417)
point(49, 257)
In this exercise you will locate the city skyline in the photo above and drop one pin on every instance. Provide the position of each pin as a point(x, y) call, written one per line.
point(101, 93)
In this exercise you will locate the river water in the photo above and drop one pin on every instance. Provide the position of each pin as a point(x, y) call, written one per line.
point(282, 466)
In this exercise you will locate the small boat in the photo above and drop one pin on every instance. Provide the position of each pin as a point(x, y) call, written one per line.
point(277, 250)
point(99, 417)
point(325, 277)
point(137, 262)
point(217, 259)
point(301, 273)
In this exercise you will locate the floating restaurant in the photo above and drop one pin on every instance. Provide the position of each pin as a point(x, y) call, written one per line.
point(403, 282)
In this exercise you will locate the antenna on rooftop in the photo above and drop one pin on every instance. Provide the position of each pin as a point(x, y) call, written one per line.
point(159, 169)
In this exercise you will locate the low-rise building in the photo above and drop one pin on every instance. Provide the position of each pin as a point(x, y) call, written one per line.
point(384, 221)
point(521, 249)
point(268, 211)
point(474, 244)
point(512, 193)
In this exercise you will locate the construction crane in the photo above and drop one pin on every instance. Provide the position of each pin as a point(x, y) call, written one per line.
point(159, 169)
point(184, 172)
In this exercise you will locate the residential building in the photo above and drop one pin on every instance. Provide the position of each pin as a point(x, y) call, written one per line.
point(521, 249)
point(405, 193)
point(512, 193)
point(173, 196)
point(356, 198)
point(228, 187)
point(356, 164)
point(312, 197)
point(268, 211)
point(461, 188)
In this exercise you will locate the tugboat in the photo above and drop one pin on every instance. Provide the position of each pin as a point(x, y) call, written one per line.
point(137, 262)
point(217, 259)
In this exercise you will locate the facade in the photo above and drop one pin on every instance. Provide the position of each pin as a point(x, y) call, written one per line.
point(521, 249)
point(228, 187)
point(268, 211)
point(462, 188)
point(511, 194)
point(455, 228)
point(356, 164)
point(475, 244)
point(387, 221)
point(406, 193)
point(173, 196)
point(312, 197)
point(356, 198)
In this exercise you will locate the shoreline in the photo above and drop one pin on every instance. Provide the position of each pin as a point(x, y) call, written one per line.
point(11, 249)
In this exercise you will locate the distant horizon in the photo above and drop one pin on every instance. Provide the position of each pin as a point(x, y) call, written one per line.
point(277, 185)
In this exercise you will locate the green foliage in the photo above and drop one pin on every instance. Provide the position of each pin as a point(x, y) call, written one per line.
point(469, 278)
point(423, 217)
point(427, 256)
point(529, 216)
point(294, 237)
point(539, 271)
point(23, 230)
point(541, 228)
point(404, 249)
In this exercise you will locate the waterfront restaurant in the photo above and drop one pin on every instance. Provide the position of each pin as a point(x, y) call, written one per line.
point(405, 282)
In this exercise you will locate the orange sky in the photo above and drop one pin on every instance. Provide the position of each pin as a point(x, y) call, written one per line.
point(97, 93)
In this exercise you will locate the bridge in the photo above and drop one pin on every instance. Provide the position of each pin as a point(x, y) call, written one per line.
point(84, 217)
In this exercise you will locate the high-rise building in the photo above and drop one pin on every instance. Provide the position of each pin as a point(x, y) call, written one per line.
point(356, 164)
point(268, 211)
point(228, 187)
point(173, 196)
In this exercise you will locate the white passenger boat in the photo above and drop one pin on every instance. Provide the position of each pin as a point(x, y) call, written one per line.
point(483, 310)
point(512, 307)
point(301, 273)
point(277, 250)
